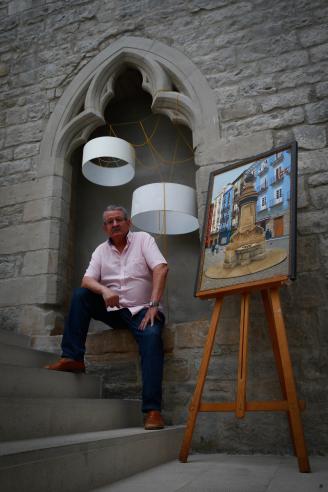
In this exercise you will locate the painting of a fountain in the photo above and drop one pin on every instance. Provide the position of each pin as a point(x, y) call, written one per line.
point(250, 229)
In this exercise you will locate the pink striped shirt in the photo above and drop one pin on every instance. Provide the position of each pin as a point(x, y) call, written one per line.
point(128, 274)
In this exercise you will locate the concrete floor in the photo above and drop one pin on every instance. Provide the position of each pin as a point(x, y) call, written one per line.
point(223, 473)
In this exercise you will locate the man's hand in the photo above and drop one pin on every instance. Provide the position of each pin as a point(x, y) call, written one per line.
point(150, 316)
point(111, 299)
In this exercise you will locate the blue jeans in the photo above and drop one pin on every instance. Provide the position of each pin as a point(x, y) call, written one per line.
point(85, 305)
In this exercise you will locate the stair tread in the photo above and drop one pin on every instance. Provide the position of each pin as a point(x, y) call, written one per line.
point(51, 373)
point(20, 348)
point(44, 443)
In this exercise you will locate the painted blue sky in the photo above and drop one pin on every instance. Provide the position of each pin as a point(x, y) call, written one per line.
point(223, 179)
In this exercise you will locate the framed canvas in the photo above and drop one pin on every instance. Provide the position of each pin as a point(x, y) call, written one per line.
point(249, 232)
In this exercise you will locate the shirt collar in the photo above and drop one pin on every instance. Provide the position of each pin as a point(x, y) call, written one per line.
point(128, 240)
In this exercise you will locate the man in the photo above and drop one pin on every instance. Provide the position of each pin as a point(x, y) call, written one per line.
point(122, 286)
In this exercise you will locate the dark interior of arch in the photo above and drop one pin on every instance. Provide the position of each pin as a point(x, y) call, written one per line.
point(129, 116)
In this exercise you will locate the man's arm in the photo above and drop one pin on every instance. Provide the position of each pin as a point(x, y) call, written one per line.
point(159, 278)
point(110, 298)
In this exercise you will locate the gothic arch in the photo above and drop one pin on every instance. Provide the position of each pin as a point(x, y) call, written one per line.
point(177, 87)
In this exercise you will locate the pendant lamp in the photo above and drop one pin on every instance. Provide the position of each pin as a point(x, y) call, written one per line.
point(164, 208)
point(108, 161)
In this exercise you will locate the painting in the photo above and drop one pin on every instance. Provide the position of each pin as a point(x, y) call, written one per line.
point(249, 232)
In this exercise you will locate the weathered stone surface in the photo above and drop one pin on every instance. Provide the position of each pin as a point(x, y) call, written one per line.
point(19, 134)
point(312, 222)
point(322, 89)
point(319, 196)
point(26, 290)
point(302, 193)
point(29, 237)
point(312, 162)
point(313, 35)
point(38, 262)
point(296, 97)
point(4, 70)
point(239, 109)
point(284, 62)
point(15, 167)
point(31, 190)
point(319, 179)
point(310, 136)
point(176, 369)
point(319, 53)
point(45, 208)
point(317, 112)
point(308, 257)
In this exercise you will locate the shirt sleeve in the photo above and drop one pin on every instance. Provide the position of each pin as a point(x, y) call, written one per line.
point(151, 252)
point(94, 268)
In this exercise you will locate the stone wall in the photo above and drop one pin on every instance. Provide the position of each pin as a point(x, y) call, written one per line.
point(267, 64)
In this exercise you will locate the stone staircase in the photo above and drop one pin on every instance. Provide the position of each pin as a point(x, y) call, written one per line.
point(57, 434)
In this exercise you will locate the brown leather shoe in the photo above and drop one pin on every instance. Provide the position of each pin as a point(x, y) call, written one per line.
point(67, 365)
point(154, 420)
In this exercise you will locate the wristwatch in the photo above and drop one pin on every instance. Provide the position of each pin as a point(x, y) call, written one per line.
point(153, 304)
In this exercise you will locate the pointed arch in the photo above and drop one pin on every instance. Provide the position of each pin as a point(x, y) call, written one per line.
point(177, 87)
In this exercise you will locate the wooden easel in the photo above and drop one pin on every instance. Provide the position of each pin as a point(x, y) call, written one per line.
point(289, 403)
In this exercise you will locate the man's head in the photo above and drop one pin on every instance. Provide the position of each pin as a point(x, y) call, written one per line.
point(116, 223)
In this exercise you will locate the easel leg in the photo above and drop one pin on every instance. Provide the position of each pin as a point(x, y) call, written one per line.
point(271, 324)
point(242, 363)
point(194, 407)
point(289, 382)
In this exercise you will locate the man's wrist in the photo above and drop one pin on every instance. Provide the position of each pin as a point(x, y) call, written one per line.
point(153, 304)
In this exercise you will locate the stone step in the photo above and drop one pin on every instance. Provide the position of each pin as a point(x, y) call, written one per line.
point(30, 382)
point(24, 356)
point(82, 462)
point(27, 418)
point(12, 338)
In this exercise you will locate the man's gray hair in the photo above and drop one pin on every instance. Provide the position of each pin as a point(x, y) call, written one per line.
point(111, 208)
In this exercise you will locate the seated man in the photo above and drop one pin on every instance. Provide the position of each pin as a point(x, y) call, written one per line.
point(122, 286)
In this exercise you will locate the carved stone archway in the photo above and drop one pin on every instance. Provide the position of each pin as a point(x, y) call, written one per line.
point(178, 90)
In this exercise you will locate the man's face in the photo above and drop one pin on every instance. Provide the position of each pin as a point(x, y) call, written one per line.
point(115, 225)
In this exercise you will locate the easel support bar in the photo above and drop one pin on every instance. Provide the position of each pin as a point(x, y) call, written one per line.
point(251, 406)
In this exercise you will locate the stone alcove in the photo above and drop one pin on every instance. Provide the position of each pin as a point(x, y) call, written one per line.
point(169, 85)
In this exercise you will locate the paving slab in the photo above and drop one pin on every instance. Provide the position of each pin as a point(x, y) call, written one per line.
point(227, 473)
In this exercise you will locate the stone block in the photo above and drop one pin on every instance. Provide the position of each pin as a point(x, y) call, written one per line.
point(29, 290)
point(319, 196)
point(10, 317)
point(32, 190)
point(319, 53)
point(176, 369)
point(296, 97)
point(192, 334)
point(317, 112)
point(29, 237)
point(15, 167)
point(322, 89)
point(311, 136)
point(38, 262)
point(277, 119)
point(312, 162)
point(274, 45)
point(302, 193)
point(38, 321)
point(283, 62)
point(240, 109)
point(27, 133)
point(7, 267)
point(111, 341)
point(318, 179)
point(313, 35)
point(308, 258)
point(300, 77)
point(312, 222)
point(4, 69)
point(26, 150)
point(45, 208)
point(47, 343)
point(16, 116)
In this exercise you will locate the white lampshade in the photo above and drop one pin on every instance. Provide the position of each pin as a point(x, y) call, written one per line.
point(108, 148)
point(165, 208)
